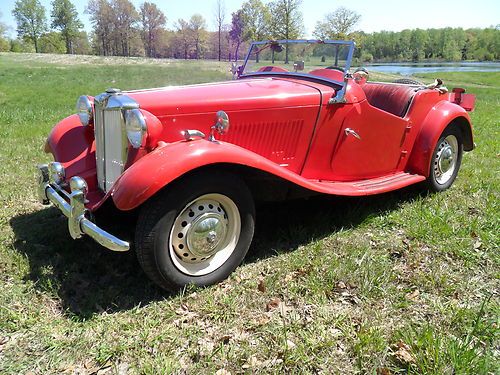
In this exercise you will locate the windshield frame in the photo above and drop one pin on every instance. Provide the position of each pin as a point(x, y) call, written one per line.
point(350, 43)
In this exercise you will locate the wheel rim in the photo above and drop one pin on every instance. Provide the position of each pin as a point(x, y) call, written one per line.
point(205, 234)
point(446, 160)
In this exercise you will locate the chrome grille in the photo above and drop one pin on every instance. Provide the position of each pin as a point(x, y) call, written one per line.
point(110, 145)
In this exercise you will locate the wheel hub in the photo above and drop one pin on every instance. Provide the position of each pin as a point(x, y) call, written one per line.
point(205, 234)
point(445, 160)
point(200, 231)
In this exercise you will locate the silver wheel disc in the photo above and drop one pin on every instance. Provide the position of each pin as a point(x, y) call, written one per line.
point(445, 160)
point(205, 234)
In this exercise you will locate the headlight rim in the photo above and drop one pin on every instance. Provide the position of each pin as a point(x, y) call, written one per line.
point(85, 113)
point(139, 130)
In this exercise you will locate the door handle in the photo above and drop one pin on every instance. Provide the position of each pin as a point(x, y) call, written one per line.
point(349, 131)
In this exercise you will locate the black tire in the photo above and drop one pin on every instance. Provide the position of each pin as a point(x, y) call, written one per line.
point(408, 81)
point(437, 180)
point(154, 239)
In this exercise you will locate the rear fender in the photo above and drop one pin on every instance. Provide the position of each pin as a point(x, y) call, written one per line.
point(167, 163)
point(440, 116)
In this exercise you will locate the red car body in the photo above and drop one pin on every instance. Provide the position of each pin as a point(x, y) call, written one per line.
point(379, 138)
point(278, 125)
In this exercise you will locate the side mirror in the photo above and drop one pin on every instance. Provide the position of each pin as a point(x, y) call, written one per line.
point(221, 125)
point(298, 65)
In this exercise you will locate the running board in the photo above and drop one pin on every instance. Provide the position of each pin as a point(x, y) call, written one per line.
point(369, 186)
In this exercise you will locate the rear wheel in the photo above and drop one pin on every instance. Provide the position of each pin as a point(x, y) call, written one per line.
point(196, 231)
point(446, 160)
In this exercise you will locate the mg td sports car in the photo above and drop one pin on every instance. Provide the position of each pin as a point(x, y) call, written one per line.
point(192, 160)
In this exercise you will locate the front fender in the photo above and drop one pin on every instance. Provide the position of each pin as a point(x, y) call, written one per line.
point(72, 145)
point(167, 163)
point(436, 121)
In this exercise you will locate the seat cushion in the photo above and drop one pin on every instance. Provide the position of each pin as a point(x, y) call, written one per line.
point(389, 97)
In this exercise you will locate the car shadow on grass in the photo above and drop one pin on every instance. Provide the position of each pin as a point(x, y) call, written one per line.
point(89, 280)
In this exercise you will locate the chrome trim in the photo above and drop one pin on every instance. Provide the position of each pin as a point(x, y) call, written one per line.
point(190, 134)
point(84, 110)
point(56, 173)
point(221, 125)
point(111, 148)
point(75, 211)
point(349, 131)
point(129, 113)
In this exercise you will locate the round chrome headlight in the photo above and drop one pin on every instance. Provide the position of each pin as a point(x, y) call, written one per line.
point(84, 110)
point(135, 124)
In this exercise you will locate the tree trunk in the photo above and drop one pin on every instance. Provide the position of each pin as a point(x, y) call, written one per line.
point(219, 42)
point(35, 40)
point(68, 45)
point(236, 52)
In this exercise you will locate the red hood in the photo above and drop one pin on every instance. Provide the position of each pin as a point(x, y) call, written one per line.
point(244, 94)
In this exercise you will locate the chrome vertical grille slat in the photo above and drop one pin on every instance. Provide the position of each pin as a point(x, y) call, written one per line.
point(99, 145)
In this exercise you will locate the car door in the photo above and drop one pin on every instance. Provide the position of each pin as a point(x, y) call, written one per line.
point(369, 143)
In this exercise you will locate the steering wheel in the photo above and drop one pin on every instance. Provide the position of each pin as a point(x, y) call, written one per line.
point(335, 68)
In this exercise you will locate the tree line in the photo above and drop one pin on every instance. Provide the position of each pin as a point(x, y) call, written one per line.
point(121, 29)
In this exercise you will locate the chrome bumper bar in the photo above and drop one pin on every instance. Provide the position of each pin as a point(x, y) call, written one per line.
point(51, 177)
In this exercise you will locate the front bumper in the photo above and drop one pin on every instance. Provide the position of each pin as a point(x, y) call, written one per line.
point(72, 205)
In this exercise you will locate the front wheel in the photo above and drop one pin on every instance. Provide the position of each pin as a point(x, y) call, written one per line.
point(446, 160)
point(196, 231)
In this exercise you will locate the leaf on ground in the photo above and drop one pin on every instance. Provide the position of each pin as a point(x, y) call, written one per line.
point(273, 304)
point(477, 243)
point(414, 296)
point(252, 362)
point(290, 344)
point(383, 371)
point(403, 354)
point(261, 286)
point(225, 338)
point(222, 371)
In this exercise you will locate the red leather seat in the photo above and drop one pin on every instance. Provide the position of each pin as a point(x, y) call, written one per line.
point(389, 97)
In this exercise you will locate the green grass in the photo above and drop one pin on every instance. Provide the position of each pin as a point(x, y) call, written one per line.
point(399, 283)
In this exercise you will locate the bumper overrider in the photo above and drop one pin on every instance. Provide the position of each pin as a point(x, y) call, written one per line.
point(72, 205)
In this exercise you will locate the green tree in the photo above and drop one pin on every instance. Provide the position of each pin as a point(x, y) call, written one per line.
point(286, 21)
point(52, 42)
point(198, 29)
point(125, 19)
point(256, 21)
point(337, 25)
point(183, 38)
point(81, 45)
point(152, 23)
point(65, 18)
point(418, 41)
point(4, 43)
point(31, 20)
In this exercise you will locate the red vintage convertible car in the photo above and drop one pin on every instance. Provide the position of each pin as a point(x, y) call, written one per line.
point(192, 160)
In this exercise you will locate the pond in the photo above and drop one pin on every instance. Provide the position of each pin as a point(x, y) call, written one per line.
point(431, 67)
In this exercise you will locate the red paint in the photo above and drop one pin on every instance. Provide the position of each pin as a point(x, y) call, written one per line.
point(281, 125)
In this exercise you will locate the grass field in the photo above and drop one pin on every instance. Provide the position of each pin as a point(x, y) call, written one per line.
point(404, 282)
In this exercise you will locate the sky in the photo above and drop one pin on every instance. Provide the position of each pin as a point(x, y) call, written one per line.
point(376, 15)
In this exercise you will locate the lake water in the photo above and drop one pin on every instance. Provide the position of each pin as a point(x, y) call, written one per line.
point(412, 68)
